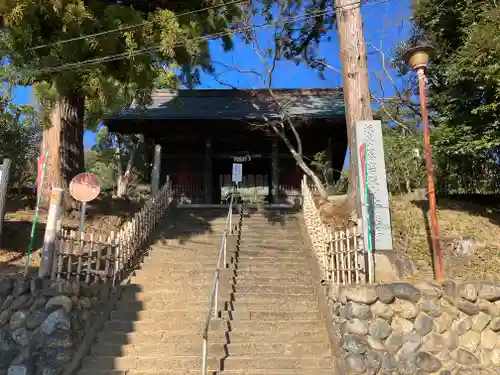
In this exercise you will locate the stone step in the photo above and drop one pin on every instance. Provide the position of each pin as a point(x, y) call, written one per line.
point(273, 306)
point(268, 266)
point(282, 349)
point(255, 259)
point(199, 315)
point(170, 325)
point(266, 298)
point(273, 289)
point(125, 326)
point(181, 363)
point(197, 372)
point(157, 337)
point(164, 305)
point(275, 272)
point(155, 349)
point(274, 250)
point(247, 279)
point(274, 362)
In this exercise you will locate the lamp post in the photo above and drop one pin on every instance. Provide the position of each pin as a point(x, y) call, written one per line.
point(418, 59)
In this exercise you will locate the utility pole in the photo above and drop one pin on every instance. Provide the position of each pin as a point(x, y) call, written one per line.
point(355, 79)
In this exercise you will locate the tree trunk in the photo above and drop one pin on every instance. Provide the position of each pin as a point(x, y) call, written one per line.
point(355, 77)
point(123, 177)
point(63, 140)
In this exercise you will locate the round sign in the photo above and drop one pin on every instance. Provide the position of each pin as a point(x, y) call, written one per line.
point(84, 187)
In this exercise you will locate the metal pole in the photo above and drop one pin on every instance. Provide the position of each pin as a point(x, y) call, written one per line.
point(436, 246)
point(51, 229)
point(204, 357)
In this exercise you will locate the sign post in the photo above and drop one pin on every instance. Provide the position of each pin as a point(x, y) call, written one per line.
point(237, 175)
point(51, 229)
point(40, 179)
point(84, 188)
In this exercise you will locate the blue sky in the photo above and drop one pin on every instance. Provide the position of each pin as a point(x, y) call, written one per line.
point(385, 24)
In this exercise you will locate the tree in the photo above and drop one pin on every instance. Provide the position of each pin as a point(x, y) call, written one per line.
point(463, 89)
point(20, 133)
point(124, 64)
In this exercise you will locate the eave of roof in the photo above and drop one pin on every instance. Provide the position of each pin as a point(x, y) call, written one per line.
point(237, 105)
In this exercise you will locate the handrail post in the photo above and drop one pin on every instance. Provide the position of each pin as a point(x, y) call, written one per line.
point(216, 302)
point(225, 250)
point(204, 357)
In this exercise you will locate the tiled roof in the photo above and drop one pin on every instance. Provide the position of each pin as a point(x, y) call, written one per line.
point(237, 105)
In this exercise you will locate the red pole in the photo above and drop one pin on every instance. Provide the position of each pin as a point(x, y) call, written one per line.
point(436, 246)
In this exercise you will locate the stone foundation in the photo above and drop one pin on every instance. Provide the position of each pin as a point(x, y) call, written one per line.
point(424, 328)
point(42, 322)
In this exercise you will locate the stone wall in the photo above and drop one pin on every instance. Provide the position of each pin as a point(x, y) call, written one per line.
point(423, 328)
point(42, 322)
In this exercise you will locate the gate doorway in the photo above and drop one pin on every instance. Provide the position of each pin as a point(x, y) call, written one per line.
point(255, 187)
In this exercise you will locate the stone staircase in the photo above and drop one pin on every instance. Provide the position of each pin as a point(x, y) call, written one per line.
point(269, 324)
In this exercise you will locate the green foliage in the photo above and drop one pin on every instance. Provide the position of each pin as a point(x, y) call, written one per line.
point(20, 134)
point(174, 43)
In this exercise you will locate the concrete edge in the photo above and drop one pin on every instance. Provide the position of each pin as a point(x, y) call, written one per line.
point(321, 295)
point(102, 317)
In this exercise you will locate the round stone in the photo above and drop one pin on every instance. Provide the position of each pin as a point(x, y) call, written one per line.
point(495, 356)
point(394, 342)
point(469, 340)
point(428, 362)
point(480, 321)
point(423, 324)
point(405, 309)
point(354, 364)
point(401, 325)
point(433, 343)
point(355, 344)
point(388, 362)
point(489, 339)
point(450, 289)
point(489, 291)
point(57, 302)
point(443, 323)
point(18, 320)
point(430, 290)
point(380, 329)
point(353, 310)
point(467, 307)
point(356, 326)
point(450, 340)
point(375, 344)
point(462, 326)
point(359, 294)
point(488, 307)
point(373, 362)
point(468, 291)
point(495, 324)
point(411, 343)
point(382, 310)
point(35, 319)
point(406, 292)
point(431, 306)
point(465, 357)
point(385, 294)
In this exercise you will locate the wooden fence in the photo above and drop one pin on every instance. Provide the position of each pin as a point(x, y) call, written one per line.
point(90, 258)
point(339, 251)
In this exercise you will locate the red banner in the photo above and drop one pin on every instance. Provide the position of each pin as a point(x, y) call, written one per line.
point(40, 166)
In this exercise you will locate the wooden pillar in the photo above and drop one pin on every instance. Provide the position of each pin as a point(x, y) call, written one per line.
point(155, 174)
point(329, 161)
point(207, 170)
point(275, 171)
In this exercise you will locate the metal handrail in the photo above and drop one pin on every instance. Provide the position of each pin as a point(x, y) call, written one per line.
point(212, 307)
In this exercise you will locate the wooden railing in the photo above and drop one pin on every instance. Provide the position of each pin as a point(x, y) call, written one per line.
point(339, 251)
point(89, 257)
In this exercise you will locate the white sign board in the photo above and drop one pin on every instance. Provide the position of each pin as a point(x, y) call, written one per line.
point(237, 172)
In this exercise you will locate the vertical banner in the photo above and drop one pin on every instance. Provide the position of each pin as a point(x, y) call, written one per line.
point(42, 161)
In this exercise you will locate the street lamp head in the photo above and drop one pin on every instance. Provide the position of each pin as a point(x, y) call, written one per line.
point(418, 56)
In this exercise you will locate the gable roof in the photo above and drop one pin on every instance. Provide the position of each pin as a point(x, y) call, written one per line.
point(237, 105)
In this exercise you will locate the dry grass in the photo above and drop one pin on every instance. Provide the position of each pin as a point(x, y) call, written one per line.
point(457, 218)
point(104, 216)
